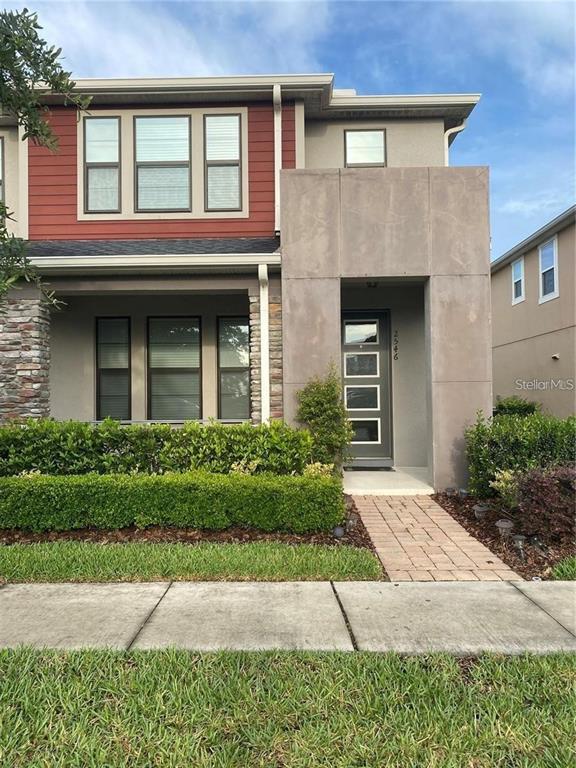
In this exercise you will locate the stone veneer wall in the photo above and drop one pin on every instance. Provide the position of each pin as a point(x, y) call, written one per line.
point(24, 359)
point(275, 310)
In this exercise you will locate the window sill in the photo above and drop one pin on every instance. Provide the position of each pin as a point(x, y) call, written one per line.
point(549, 297)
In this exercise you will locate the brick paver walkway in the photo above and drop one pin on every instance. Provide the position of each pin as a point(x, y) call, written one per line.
point(417, 540)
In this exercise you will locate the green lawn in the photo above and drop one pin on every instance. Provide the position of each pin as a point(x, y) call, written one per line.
point(256, 561)
point(173, 709)
point(565, 570)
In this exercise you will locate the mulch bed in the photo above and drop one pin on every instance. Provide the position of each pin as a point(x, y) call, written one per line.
point(355, 536)
point(539, 559)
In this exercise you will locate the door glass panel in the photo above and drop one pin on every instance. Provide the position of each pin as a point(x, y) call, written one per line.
point(360, 332)
point(362, 398)
point(362, 364)
point(366, 430)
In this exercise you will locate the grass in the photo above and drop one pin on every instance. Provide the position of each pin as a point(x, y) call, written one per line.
point(565, 570)
point(171, 709)
point(255, 561)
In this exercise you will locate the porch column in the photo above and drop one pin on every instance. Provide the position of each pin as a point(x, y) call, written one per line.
point(24, 356)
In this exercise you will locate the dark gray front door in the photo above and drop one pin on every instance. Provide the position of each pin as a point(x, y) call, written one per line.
point(366, 385)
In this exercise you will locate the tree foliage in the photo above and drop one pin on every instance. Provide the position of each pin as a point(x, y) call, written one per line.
point(30, 68)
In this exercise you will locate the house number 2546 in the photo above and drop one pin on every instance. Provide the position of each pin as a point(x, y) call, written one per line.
point(395, 345)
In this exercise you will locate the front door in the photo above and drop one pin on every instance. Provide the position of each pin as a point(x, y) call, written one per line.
point(366, 384)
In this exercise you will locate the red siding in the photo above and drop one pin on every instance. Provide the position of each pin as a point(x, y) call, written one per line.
point(53, 190)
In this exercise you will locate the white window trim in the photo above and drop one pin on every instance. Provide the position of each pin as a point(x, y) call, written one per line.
point(352, 321)
point(365, 375)
point(556, 293)
point(522, 297)
point(127, 185)
point(362, 386)
point(369, 442)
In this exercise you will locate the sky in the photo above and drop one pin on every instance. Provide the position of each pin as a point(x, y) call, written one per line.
point(519, 54)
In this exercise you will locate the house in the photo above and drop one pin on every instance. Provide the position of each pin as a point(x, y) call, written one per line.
point(534, 317)
point(216, 242)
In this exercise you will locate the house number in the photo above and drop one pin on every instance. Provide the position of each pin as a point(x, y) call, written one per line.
point(395, 346)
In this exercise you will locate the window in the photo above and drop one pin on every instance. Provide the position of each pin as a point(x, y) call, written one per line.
point(358, 364)
point(174, 368)
point(364, 149)
point(365, 430)
point(113, 368)
point(362, 397)
point(222, 163)
point(233, 368)
point(518, 280)
point(102, 164)
point(162, 153)
point(549, 288)
point(360, 332)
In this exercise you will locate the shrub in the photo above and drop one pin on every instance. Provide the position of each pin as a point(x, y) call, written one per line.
point(197, 500)
point(74, 448)
point(506, 486)
point(321, 409)
point(517, 443)
point(546, 499)
point(505, 406)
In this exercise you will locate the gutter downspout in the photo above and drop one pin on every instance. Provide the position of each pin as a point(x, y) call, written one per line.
point(264, 344)
point(277, 102)
point(447, 134)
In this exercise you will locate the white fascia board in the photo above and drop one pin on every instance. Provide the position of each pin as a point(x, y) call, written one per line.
point(153, 263)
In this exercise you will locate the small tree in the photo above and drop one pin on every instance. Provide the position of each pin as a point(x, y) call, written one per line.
point(321, 409)
point(29, 68)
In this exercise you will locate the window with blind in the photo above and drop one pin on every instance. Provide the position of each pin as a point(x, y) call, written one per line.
point(162, 153)
point(113, 368)
point(233, 368)
point(174, 378)
point(223, 171)
point(102, 164)
point(364, 148)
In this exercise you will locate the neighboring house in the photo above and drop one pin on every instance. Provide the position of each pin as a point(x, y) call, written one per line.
point(534, 317)
point(219, 241)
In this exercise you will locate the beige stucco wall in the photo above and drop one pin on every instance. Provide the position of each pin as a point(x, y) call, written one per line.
point(409, 143)
point(429, 223)
point(72, 371)
point(526, 335)
point(11, 181)
point(405, 301)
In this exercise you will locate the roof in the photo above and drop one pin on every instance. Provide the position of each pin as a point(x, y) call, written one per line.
point(562, 221)
point(62, 249)
point(316, 90)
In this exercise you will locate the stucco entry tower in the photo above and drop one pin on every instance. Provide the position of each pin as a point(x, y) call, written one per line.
point(427, 225)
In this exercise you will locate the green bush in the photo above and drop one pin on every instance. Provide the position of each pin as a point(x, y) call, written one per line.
point(76, 448)
point(517, 443)
point(197, 500)
point(321, 409)
point(506, 406)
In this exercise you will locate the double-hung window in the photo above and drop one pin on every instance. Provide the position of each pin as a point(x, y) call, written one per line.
point(113, 368)
point(174, 378)
point(518, 280)
point(162, 153)
point(223, 167)
point(233, 368)
point(549, 288)
point(364, 148)
point(102, 164)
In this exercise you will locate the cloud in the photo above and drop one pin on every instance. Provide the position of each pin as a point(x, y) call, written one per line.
point(118, 39)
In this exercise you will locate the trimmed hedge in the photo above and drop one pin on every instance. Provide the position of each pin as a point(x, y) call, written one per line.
point(517, 443)
point(546, 500)
point(77, 448)
point(197, 500)
point(505, 406)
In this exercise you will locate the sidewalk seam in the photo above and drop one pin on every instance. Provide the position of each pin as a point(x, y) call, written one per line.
point(542, 609)
point(148, 617)
point(345, 617)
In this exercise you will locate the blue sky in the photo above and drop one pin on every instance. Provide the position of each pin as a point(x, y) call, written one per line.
point(519, 55)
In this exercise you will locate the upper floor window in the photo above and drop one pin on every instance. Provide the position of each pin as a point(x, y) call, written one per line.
point(518, 280)
point(222, 153)
point(102, 164)
point(162, 153)
point(549, 288)
point(364, 148)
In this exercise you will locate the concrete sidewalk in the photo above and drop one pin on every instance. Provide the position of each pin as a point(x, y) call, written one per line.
point(458, 617)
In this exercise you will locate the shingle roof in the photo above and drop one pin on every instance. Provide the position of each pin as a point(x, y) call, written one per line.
point(79, 248)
